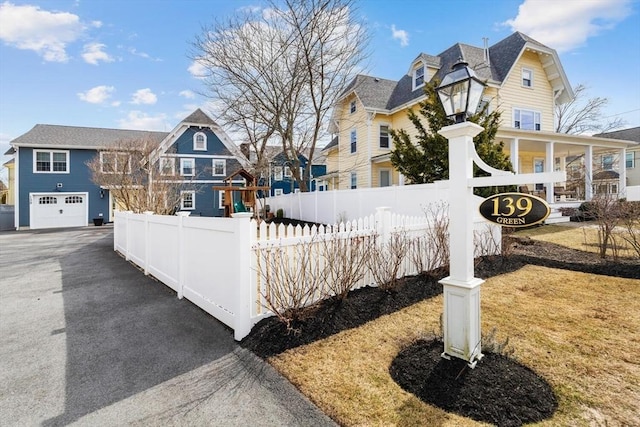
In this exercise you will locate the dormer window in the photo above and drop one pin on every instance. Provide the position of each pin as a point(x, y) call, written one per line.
point(418, 77)
point(199, 142)
point(527, 77)
point(352, 106)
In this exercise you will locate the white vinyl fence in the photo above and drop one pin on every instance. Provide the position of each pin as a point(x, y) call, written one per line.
point(221, 264)
point(633, 193)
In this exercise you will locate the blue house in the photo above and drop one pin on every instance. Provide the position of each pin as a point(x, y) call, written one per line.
point(53, 186)
point(281, 178)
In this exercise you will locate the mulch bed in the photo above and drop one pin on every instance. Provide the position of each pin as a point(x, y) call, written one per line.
point(468, 396)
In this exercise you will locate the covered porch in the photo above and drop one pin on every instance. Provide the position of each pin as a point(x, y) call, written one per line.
point(585, 159)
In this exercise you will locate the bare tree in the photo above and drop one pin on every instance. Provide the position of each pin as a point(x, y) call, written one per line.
point(276, 73)
point(582, 115)
point(134, 183)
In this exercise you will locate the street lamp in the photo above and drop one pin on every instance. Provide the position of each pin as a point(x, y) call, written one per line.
point(460, 92)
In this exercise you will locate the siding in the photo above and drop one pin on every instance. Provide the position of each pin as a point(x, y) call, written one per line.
point(539, 97)
point(77, 180)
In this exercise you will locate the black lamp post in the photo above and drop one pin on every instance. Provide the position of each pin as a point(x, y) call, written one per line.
point(460, 92)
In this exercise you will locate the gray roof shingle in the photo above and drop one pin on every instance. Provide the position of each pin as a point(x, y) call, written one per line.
point(199, 117)
point(631, 134)
point(57, 136)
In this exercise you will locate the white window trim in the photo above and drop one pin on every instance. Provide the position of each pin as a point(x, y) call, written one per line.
point(353, 107)
point(414, 76)
point(221, 199)
point(287, 171)
point(633, 160)
point(193, 200)
point(213, 167)
point(611, 163)
point(195, 137)
point(380, 172)
point(353, 177)
point(524, 69)
point(278, 192)
point(277, 173)
point(172, 162)
point(388, 136)
point(521, 109)
point(193, 169)
point(351, 139)
point(115, 166)
point(35, 161)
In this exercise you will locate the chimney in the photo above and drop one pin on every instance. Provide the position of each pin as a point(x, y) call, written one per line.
point(487, 60)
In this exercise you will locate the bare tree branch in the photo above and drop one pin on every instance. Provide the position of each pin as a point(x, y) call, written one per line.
point(580, 116)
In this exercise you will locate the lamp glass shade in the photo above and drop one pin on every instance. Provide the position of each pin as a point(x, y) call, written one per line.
point(460, 91)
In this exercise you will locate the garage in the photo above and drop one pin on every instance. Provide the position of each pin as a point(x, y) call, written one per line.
point(55, 210)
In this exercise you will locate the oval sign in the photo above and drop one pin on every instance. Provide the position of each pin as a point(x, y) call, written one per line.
point(515, 209)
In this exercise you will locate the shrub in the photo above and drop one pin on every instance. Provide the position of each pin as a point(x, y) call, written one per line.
point(280, 213)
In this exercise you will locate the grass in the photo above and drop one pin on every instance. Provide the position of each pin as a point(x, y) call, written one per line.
point(579, 331)
point(584, 238)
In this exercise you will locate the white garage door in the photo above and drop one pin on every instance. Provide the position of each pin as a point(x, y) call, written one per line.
point(52, 210)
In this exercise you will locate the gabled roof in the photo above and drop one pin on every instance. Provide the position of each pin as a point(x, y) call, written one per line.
point(631, 134)
point(69, 137)
point(377, 94)
point(200, 119)
point(332, 144)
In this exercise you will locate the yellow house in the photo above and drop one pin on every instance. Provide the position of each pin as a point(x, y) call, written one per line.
point(525, 80)
point(8, 197)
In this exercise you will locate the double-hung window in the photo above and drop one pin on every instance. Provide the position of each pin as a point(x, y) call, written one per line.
point(630, 160)
point(167, 166)
point(219, 167)
point(384, 136)
point(199, 141)
point(51, 161)
point(188, 200)
point(607, 162)
point(527, 77)
point(115, 162)
point(418, 77)
point(526, 119)
point(354, 180)
point(354, 141)
point(287, 172)
point(352, 106)
point(277, 173)
point(187, 167)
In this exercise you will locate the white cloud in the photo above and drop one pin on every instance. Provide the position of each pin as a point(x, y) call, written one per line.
point(138, 120)
point(197, 70)
point(565, 25)
point(134, 51)
point(144, 96)
point(187, 94)
point(97, 95)
point(401, 35)
point(93, 53)
point(47, 33)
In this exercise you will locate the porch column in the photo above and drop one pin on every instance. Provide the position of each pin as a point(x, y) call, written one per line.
point(548, 167)
point(622, 169)
point(515, 148)
point(400, 178)
point(588, 173)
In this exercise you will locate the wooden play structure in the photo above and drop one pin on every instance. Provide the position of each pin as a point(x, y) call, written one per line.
point(240, 198)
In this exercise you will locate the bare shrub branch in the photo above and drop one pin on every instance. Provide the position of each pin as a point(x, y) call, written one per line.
point(346, 259)
point(386, 259)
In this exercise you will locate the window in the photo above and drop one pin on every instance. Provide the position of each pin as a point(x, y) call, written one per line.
point(199, 142)
point(167, 166)
point(219, 167)
point(526, 119)
point(287, 172)
point(354, 141)
point(277, 192)
point(385, 178)
point(47, 200)
point(384, 136)
point(73, 199)
point(630, 161)
point(352, 106)
point(527, 77)
point(485, 102)
point(354, 180)
point(115, 162)
point(51, 161)
point(221, 199)
point(187, 167)
point(607, 162)
point(188, 200)
point(277, 173)
point(418, 77)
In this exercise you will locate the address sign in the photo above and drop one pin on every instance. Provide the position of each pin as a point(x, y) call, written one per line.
point(515, 209)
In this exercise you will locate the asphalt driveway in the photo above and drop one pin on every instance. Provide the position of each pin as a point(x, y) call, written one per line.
point(86, 338)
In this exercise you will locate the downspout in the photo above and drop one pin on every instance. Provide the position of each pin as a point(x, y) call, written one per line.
point(370, 117)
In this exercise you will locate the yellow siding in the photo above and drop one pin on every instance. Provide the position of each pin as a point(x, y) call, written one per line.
point(538, 98)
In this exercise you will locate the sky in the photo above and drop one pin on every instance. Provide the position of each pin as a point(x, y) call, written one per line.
point(128, 63)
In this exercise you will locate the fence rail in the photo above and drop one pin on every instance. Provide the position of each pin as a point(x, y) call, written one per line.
point(227, 266)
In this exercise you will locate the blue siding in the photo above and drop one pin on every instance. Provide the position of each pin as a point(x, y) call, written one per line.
point(77, 180)
point(286, 184)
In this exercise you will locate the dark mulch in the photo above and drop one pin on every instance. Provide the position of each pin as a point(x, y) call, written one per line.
point(499, 390)
point(495, 382)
